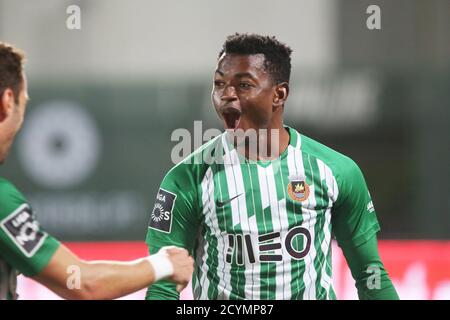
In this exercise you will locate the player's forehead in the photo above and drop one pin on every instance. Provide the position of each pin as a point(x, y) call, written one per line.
point(230, 64)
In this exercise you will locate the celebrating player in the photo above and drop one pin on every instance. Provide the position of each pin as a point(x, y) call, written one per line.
point(260, 227)
point(26, 248)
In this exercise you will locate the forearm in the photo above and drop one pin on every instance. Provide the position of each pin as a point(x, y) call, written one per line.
point(72, 278)
point(111, 279)
point(372, 280)
point(375, 284)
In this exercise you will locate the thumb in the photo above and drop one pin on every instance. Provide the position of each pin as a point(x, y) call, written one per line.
point(180, 287)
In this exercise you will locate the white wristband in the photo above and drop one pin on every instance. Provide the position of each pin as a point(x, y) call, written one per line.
point(161, 264)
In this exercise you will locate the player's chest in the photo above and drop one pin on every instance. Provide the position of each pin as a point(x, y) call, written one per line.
point(266, 199)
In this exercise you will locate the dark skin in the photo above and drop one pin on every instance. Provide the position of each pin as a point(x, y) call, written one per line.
point(245, 97)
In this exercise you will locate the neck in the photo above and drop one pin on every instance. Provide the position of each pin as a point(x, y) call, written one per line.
point(262, 144)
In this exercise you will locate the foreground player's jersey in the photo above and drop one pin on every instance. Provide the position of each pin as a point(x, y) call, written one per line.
point(261, 230)
point(24, 246)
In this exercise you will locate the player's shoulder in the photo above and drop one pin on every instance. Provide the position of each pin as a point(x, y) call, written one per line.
point(10, 198)
point(339, 163)
point(195, 165)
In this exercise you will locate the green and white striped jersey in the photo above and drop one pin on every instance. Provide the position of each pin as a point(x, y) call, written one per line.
point(261, 230)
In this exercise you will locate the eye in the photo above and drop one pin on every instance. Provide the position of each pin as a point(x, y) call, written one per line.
point(218, 83)
point(245, 85)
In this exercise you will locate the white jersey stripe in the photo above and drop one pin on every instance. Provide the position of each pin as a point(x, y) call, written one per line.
point(202, 284)
point(265, 202)
point(280, 222)
point(293, 171)
point(309, 220)
point(212, 222)
point(325, 175)
point(256, 268)
point(239, 188)
point(232, 191)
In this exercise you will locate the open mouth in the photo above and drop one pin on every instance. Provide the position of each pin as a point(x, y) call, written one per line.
point(232, 117)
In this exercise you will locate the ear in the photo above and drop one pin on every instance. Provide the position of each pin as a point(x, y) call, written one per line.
point(7, 103)
point(281, 94)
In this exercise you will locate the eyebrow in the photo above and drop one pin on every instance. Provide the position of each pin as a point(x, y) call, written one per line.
point(245, 74)
point(239, 75)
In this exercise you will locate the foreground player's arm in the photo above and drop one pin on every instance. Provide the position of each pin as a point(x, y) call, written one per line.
point(174, 220)
point(112, 279)
point(30, 250)
point(355, 226)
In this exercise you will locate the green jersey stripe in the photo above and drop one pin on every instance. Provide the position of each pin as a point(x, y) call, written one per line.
point(209, 257)
point(310, 220)
point(320, 193)
point(238, 219)
point(269, 204)
point(247, 222)
point(333, 191)
point(281, 194)
point(226, 228)
point(200, 281)
point(250, 289)
point(299, 287)
point(262, 269)
point(326, 178)
point(280, 223)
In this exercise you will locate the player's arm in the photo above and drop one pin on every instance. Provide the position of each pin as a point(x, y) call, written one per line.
point(72, 278)
point(36, 254)
point(174, 220)
point(371, 279)
point(355, 226)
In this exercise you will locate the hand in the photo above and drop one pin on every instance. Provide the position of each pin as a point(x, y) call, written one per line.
point(183, 266)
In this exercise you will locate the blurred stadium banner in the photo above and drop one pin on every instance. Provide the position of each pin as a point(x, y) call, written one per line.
point(418, 269)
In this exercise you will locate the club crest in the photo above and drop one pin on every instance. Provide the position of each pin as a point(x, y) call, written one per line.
point(298, 189)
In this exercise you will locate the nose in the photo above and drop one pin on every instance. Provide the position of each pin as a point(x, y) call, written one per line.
point(229, 94)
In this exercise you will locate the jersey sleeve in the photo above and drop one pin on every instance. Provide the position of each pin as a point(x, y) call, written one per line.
point(24, 245)
point(354, 218)
point(174, 220)
point(371, 278)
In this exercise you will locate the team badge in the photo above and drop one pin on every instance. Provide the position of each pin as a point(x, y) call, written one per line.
point(24, 230)
point(298, 189)
point(161, 216)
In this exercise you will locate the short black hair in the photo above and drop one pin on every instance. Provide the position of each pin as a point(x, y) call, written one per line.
point(277, 55)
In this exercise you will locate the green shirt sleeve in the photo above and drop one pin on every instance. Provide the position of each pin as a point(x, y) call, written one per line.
point(355, 225)
point(24, 245)
point(371, 278)
point(353, 218)
point(174, 220)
